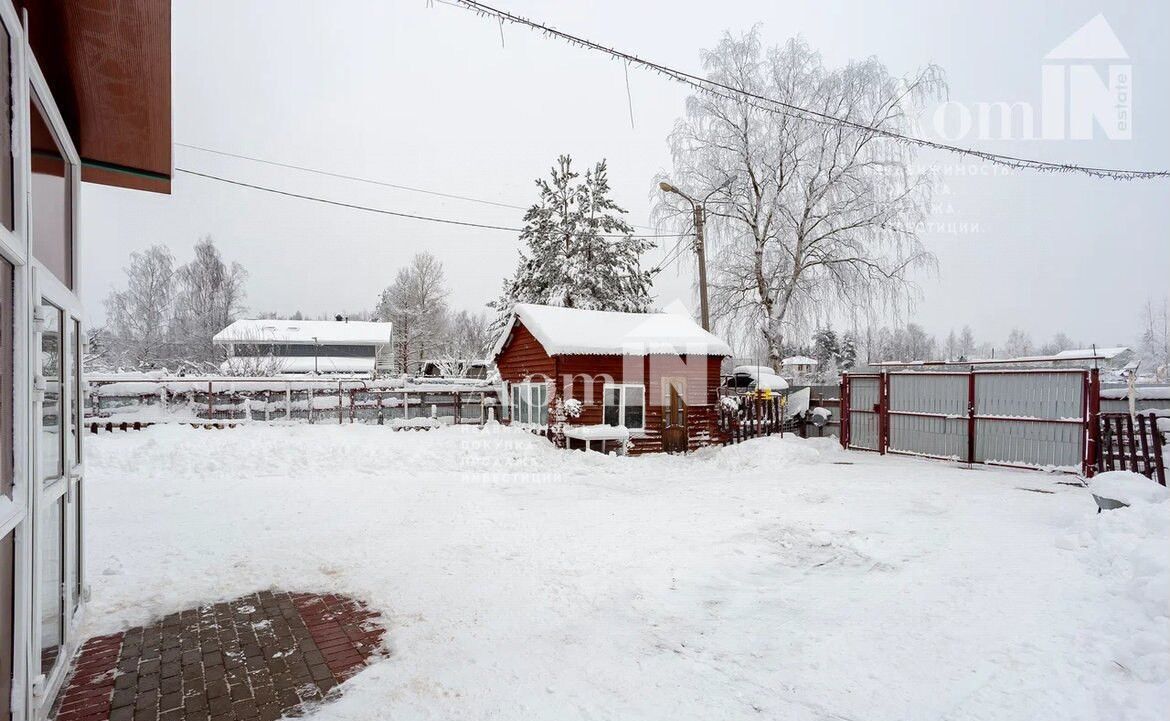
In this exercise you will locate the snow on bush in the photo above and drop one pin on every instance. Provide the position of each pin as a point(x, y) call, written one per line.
point(730, 403)
point(1128, 487)
point(572, 407)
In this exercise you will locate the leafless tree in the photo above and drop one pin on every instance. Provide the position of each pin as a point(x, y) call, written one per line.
point(209, 297)
point(468, 339)
point(139, 317)
point(804, 216)
point(416, 303)
point(1155, 339)
point(1018, 344)
point(966, 343)
point(1059, 342)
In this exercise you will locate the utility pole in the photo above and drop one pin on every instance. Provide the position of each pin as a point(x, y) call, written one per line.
point(701, 252)
point(700, 219)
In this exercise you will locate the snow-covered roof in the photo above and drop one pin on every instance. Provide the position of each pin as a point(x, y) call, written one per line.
point(763, 378)
point(753, 370)
point(1077, 353)
point(798, 360)
point(354, 332)
point(571, 331)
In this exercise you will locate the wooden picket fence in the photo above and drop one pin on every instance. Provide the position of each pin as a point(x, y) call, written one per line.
point(754, 418)
point(1129, 443)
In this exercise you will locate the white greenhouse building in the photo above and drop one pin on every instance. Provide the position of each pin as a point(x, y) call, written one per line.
point(268, 347)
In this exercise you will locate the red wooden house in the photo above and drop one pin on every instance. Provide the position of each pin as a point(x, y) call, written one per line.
point(653, 377)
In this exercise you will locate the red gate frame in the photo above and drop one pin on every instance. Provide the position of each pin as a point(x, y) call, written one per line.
point(1090, 412)
point(879, 409)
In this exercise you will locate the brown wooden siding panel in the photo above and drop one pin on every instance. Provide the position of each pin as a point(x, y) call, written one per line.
point(524, 357)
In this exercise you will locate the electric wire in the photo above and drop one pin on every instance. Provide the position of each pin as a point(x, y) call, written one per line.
point(718, 89)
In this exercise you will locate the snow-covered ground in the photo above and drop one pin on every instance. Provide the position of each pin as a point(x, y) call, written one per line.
point(778, 579)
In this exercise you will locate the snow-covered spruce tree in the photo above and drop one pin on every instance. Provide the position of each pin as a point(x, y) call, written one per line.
point(847, 356)
point(580, 252)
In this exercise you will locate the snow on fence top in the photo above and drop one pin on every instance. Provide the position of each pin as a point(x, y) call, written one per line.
point(572, 331)
point(1076, 355)
point(323, 332)
point(1141, 393)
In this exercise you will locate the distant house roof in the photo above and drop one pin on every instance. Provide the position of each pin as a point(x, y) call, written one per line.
point(297, 332)
point(799, 360)
point(571, 331)
point(1078, 353)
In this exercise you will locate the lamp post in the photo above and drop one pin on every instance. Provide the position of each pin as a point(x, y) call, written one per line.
point(700, 217)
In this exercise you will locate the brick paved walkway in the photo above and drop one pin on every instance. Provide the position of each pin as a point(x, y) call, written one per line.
point(262, 656)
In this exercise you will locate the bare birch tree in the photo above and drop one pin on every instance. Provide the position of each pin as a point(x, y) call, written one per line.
point(209, 297)
point(416, 303)
point(139, 317)
point(805, 216)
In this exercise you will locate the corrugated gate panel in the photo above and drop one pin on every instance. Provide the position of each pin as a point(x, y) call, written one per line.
point(1039, 400)
point(929, 436)
point(1029, 395)
point(944, 394)
point(864, 394)
point(938, 402)
point(1029, 443)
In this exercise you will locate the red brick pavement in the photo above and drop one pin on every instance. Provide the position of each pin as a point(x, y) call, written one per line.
point(261, 656)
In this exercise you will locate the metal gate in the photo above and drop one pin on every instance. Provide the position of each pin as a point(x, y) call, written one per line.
point(863, 419)
point(1029, 418)
point(929, 414)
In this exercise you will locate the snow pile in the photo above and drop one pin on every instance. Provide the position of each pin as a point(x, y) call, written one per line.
point(1128, 551)
point(1127, 487)
point(773, 453)
point(415, 423)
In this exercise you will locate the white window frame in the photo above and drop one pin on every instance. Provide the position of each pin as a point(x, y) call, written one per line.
point(531, 391)
point(622, 388)
point(43, 684)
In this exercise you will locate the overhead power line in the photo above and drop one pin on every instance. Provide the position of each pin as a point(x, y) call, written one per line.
point(383, 211)
point(357, 178)
point(384, 184)
point(342, 204)
point(770, 104)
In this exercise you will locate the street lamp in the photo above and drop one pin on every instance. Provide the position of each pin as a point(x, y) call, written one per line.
point(697, 208)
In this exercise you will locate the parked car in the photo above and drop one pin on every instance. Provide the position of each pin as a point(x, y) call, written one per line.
point(748, 378)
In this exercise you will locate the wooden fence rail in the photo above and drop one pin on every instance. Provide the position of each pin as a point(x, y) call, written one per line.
point(1128, 446)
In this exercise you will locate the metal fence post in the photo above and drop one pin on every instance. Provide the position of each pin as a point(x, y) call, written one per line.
point(843, 409)
point(1092, 411)
point(971, 415)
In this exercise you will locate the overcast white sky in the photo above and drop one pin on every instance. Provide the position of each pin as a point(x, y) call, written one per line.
point(426, 96)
